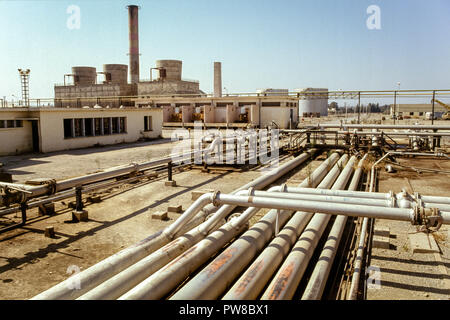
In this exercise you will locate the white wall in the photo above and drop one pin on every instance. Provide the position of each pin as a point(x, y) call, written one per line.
point(15, 140)
point(52, 127)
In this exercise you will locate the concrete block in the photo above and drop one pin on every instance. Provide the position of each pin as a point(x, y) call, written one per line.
point(160, 215)
point(176, 209)
point(80, 215)
point(172, 183)
point(47, 209)
point(197, 193)
point(94, 199)
point(422, 242)
point(380, 242)
point(381, 231)
point(49, 232)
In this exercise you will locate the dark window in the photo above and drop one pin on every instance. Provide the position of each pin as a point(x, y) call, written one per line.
point(67, 128)
point(19, 123)
point(148, 123)
point(106, 126)
point(122, 125)
point(2, 124)
point(88, 132)
point(420, 113)
point(411, 113)
point(271, 104)
point(115, 125)
point(78, 127)
point(10, 123)
point(98, 126)
point(223, 104)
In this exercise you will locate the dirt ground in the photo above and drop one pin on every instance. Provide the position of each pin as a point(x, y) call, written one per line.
point(406, 275)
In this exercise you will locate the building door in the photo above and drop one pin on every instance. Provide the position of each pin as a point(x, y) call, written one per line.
point(291, 117)
point(35, 135)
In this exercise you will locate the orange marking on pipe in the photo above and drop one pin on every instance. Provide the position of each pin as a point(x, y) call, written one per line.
point(280, 285)
point(249, 275)
point(220, 261)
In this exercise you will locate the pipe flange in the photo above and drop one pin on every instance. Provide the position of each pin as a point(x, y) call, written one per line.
point(251, 191)
point(214, 200)
point(428, 217)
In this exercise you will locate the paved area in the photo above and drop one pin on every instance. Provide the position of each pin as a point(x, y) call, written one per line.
point(71, 163)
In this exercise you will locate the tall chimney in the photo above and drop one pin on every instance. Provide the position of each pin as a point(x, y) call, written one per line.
point(217, 79)
point(133, 31)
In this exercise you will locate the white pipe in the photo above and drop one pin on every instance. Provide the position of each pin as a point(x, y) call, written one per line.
point(212, 280)
point(253, 280)
point(112, 265)
point(405, 203)
point(319, 276)
point(289, 275)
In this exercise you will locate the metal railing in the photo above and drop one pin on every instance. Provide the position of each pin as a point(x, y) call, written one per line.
point(307, 95)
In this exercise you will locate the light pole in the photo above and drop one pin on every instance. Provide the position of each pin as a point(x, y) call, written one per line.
point(24, 78)
point(398, 109)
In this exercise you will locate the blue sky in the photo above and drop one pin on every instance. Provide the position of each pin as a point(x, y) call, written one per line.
point(261, 43)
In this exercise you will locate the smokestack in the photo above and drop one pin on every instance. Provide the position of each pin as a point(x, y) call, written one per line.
point(134, 42)
point(217, 79)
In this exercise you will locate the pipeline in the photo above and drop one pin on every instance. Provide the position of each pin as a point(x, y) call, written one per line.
point(213, 280)
point(285, 282)
point(318, 279)
point(371, 133)
point(254, 279)
point(24, 192)
point(379, 126)
point(116, 263)
point(166, 279)
point(358, 261)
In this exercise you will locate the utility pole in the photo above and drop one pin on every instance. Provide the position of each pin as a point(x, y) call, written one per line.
point(359, 105)
point(432, 107)
point(395, 103)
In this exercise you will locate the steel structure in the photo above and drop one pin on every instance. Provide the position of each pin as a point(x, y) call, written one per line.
point(25, 80)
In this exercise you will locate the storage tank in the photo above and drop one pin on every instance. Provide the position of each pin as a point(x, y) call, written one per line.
point(313, 103)
point(118, 72)
point(173, 68)
point(84, 75)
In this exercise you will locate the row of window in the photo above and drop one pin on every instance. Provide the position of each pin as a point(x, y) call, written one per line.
point(11, 124)
point(89, 127)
